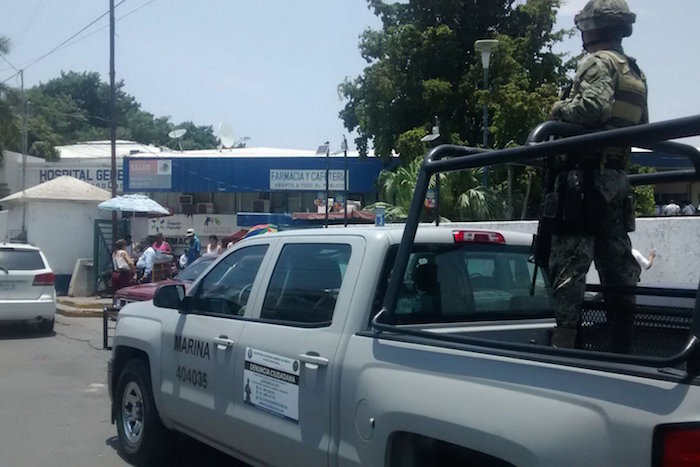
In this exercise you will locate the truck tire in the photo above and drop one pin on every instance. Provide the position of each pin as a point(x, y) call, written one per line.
point(142, 436)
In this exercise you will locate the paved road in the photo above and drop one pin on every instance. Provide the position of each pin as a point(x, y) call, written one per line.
point(54, 404)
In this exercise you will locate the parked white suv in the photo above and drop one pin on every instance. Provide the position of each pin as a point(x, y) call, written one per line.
point(27, 290)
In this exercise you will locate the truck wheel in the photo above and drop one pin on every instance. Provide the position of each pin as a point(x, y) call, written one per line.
point(142, 436)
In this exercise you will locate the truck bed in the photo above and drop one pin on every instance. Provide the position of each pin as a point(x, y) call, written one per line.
point(657, 331)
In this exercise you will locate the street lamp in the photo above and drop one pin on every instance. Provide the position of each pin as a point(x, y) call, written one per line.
point(325, 148)
point(485, 46)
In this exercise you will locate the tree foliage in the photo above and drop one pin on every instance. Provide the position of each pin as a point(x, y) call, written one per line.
point(422, 65)
point(75, 107)
point(9, 132)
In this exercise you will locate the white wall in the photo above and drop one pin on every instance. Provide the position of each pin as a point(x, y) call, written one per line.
point(675, 240)
point(63, 230)
point(4, 215)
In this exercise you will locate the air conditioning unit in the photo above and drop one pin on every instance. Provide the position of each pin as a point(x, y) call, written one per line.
point(261, 205)
point(205, 208)
point(184, 200)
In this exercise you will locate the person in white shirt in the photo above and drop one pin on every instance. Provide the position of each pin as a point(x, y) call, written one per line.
point(671, 209)
point(644, 263)
point(214, 247)
point(145, 262)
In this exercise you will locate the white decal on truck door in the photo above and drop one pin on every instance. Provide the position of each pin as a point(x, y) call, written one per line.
point(271, 383)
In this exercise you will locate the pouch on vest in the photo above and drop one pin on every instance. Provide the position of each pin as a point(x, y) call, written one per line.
point(630, 208)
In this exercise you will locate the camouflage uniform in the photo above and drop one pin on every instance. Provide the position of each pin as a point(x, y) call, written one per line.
point(609, 91)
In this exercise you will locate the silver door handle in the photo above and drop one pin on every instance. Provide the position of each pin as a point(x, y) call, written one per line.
point(223, 342)
point(313, 359)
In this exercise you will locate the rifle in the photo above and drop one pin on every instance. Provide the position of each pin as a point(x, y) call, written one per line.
point(542, 240)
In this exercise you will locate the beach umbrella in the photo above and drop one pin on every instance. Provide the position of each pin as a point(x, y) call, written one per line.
point(261, 229)
point(133, 203)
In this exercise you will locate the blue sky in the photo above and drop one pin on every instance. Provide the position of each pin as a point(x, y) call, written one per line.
point(271, 68)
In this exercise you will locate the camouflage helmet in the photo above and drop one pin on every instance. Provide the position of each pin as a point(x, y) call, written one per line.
point(603, 14)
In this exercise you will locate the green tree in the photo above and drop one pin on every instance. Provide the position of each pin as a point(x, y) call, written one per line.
point(75, 107)
point(9, 128)
point(422, 64)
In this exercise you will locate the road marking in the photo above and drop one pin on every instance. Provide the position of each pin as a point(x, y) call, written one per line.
point(94, 387)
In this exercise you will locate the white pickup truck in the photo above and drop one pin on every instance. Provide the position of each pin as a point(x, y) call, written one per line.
point(402, 346)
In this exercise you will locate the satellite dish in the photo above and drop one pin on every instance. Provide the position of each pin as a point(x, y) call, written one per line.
point(226, 135)
point(177, 133)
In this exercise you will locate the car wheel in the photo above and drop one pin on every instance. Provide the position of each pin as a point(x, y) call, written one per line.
point(46, 326)
point(142, 436)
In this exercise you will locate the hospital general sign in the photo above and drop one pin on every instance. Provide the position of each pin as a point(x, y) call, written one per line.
point(97, 176)
point(306, 180)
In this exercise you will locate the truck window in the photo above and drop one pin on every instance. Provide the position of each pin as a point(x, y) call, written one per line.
point(472, 282)
point(305, 284)
point(226, 289)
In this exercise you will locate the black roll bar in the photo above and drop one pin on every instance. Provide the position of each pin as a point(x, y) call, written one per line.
point(572, 138)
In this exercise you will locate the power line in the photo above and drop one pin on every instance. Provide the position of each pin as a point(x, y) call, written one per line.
point(72, 37)
point(107, 25)
point(8, 62)
point(67, 42)
point(32, 17)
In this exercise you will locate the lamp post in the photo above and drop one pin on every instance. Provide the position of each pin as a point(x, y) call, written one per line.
point(485, 46)
point(344, 147)
point(325, 148)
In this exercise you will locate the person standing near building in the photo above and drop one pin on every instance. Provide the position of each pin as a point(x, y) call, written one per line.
point(123, 268)
point(593, 194)
point(194, 250)
point(671, 209)
point(214, 247)
point(688, 209)
point(161, 245)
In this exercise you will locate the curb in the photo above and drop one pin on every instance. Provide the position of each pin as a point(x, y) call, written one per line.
point(78, 313)
point(84, 305)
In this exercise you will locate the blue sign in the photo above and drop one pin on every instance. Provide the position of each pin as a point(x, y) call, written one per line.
point(379, 216)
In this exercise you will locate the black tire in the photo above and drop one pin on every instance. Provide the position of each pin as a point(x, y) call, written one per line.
point(46, 326)
point(142, 437)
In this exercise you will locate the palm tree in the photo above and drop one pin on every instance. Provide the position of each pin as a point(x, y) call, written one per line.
point(461, 195)
point(8, 121)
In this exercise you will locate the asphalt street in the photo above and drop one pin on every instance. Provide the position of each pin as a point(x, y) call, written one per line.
point(54, 403)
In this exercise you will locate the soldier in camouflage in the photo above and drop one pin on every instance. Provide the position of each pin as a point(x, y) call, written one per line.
point(609, 91)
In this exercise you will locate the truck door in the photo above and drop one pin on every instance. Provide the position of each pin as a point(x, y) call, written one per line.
point(200, 345)
point(288, 372)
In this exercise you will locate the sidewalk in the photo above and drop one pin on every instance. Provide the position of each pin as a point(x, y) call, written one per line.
point(81, 306)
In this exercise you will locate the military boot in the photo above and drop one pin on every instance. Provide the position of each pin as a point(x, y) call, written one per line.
point(563, 338)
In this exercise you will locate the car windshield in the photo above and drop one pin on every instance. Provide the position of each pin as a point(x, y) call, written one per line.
point(191, 272)
point(20, 259)
point(467, 282)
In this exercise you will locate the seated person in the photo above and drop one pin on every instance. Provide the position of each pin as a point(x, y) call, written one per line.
point(145, 264)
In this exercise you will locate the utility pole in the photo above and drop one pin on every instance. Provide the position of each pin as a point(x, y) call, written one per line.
point(328, 161)
point(24, 156)
point(113, 118)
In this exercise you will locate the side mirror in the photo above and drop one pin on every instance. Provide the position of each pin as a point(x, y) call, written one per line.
point(170, 296)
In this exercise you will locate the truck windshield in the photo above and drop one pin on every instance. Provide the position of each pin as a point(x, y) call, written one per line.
point(467, 282)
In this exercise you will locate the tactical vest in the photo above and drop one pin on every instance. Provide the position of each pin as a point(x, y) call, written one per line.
point(630, 106)
point(630, 92)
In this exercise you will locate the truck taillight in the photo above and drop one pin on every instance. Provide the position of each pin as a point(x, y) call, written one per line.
point(468, 236)
point(677, 445)
point(47, 278)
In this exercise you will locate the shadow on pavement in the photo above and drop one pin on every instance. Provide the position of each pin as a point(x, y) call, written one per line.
point(187, 452)
point(22, 331)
